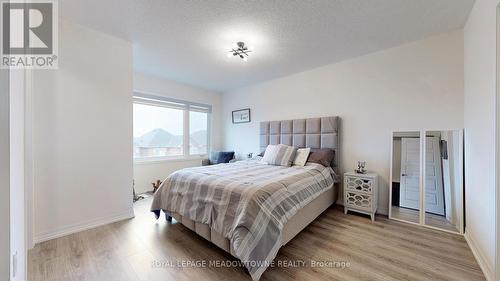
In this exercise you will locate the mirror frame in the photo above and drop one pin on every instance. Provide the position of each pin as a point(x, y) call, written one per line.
point(391, 176)
point(422, 181)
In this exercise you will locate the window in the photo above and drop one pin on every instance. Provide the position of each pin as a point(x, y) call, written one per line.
point(166, 128)
point(158, 131)
point(198, 132)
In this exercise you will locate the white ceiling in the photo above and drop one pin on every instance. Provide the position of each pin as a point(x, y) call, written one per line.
point(187, 40)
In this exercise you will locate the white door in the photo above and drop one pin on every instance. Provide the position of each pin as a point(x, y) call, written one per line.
point(434, 190)
point(409, 189)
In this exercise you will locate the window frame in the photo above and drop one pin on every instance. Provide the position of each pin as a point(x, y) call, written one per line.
point(186, 106)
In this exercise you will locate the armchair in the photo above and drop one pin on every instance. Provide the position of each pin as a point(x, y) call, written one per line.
point(218, 157)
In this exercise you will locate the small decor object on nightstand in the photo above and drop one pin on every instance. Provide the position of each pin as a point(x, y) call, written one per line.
point(361, 193)
point(241, 116)
point(361, 167)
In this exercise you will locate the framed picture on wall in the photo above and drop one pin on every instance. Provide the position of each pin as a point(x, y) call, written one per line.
point(241, 116)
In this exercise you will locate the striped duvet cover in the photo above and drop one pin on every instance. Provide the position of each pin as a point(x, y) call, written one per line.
point(247, 202)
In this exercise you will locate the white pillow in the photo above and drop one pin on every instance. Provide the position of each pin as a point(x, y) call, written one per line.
point(301, 156)
point(269, 154)
point(279, 155)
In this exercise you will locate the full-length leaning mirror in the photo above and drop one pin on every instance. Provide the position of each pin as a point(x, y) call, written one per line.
point(427, 188)
point(444, 180)
point(406, 176)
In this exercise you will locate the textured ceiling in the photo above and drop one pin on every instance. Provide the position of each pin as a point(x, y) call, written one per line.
point(187, 40)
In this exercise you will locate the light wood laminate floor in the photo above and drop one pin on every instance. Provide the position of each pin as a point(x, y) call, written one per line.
point(383, 250)
point(430, 219)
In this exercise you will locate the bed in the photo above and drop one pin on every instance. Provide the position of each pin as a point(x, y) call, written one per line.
point(250, 209)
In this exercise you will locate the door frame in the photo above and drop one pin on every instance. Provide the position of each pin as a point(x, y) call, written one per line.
point(497, 147)
point(29, 192)
point(5, 219)
point(422, 177)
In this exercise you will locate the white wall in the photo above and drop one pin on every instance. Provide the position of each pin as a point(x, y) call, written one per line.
point(82, 134)
point(17, 203)
point(480, 92)
point(145, 173)
point(4, 176)
point(148, 172)
point(414, 86)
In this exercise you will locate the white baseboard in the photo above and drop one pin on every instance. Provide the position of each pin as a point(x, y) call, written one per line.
point(480, 258)
point(77, 227)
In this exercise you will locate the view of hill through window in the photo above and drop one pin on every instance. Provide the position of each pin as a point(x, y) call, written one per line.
point(159, 131)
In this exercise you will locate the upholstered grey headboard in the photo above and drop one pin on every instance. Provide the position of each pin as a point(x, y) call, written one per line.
point(312, 132)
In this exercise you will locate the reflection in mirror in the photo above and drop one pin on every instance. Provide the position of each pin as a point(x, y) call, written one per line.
point(406, 176)
point(443, 180)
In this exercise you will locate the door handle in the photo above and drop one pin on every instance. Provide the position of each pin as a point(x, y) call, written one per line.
point(403, 175)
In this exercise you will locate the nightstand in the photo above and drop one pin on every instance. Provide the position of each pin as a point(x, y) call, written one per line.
point(361, 193)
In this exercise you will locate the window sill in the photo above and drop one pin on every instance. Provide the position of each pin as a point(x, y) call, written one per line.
point(158, 160)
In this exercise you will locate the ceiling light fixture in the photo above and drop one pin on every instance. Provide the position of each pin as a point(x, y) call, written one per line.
point(240, 50)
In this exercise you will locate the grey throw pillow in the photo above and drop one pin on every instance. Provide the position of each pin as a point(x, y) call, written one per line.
point(323, 156)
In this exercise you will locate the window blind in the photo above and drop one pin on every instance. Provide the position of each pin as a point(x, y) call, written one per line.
point(150, 99)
